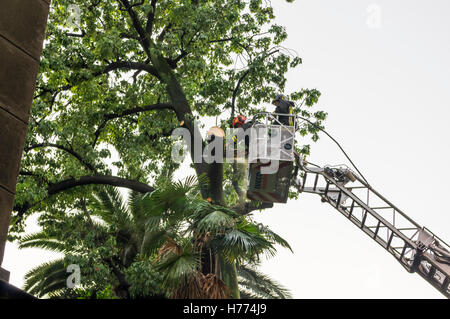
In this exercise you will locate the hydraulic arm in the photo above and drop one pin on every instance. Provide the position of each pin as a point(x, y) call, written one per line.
point(415, 247)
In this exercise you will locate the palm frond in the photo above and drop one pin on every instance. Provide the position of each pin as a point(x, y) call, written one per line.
point(275, 238)
point(51, 245)
point(153, 240)
point(177, 264)
point(39, 278)
point(110, 206)
point(216, 223)
point(260, 285)
point(43, 241)
point(136, 207)
point(239, 244)
point(53, 282)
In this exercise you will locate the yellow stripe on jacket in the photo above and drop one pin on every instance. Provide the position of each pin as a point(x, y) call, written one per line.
point(291, 111)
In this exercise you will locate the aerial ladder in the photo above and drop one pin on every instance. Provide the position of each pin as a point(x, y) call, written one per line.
point(415, 247)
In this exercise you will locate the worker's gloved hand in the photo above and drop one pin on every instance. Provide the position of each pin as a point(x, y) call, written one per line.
point(329, 171)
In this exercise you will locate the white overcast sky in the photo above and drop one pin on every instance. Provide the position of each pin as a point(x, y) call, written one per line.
point(383, 69)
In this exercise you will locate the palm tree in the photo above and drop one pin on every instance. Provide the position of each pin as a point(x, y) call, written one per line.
point(187, 246)
point(210, 241)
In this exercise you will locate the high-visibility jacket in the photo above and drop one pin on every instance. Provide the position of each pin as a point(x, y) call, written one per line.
point(245, 127)
point(285, 107)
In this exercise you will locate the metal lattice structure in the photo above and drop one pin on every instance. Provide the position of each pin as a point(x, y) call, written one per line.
point(415, 247)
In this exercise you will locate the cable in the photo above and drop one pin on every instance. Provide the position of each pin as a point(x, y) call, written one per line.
point(337, 143)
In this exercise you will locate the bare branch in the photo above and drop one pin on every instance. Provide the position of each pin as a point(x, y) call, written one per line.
point(236, 90)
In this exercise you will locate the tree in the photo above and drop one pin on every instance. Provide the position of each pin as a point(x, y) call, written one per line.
point(152, 246)
point(127, 74)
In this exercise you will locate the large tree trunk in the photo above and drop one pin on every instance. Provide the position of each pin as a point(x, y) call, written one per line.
point(213, 171)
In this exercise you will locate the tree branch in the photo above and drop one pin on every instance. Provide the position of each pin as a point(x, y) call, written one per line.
point(151, 18)
point(67, 184)
point(173, 62)
point(137, 26)
point(124, 285)
point(236, 90)
point(221, 40)
point(112, 116)
point(99, 180)
point(163, 32)
point(77, 35)
point(239, 82)
point(109, 68)
point(129, 65)
point(63, 148)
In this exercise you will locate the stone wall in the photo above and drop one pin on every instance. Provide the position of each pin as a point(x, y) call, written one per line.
point(22, 31)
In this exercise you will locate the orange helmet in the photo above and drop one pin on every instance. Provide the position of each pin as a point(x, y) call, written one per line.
point(239, 120)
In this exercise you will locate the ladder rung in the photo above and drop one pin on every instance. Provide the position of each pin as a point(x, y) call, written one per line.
point(376, 231)
point(445, 283)
point(357, 206)
point(403, 251)
point(351, 209)
point(326, 189)
point(432, 272)
point(315, 182)
point(408, 228)
point(364, 219)
point(390, 240)
point(338, 202)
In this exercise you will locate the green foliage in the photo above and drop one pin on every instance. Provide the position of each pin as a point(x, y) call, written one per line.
point(46, 278)
point(119, 82)
point(155, 243)
point(226, 57)
point(147, 281)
